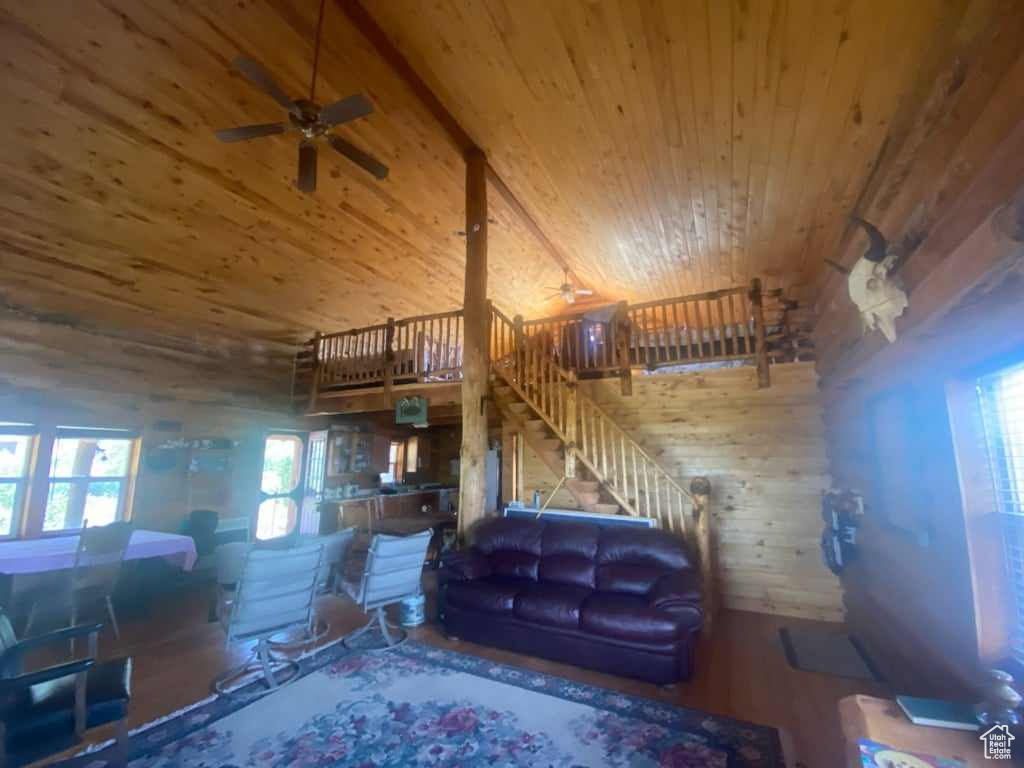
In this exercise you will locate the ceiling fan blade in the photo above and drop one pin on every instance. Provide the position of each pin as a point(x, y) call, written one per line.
point(259, 77)
point(360, 158)
point(345, 110)
point(245, 132)
point(307, 167)
point(583, 292)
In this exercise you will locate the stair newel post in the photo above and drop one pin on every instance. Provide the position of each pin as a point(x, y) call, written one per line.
point(620, 338)
point(314, 385)
point(700, 492)
point(571, 420)
point(389, 359)
point(757, 309)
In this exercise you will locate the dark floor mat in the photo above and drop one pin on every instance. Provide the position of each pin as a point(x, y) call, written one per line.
point(829, 653)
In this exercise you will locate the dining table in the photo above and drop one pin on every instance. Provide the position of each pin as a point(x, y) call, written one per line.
point(56, 553)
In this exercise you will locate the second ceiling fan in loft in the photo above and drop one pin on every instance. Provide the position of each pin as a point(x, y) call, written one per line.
point(312, 121)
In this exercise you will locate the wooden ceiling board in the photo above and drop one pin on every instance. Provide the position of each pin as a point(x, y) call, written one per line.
point(676, 146)
point(117, 200)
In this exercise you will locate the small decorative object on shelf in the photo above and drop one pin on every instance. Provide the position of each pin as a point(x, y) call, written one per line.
point(1001, 700)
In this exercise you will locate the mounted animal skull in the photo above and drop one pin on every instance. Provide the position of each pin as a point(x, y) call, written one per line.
point(873, 289)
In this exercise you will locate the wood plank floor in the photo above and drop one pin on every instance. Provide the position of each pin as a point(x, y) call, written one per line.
point(741, 671)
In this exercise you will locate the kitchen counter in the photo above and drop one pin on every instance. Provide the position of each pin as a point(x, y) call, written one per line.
point(364, 510)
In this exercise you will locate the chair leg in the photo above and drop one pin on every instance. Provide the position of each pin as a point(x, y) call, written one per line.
point(120, 751)
point(263, 649)
point(113, 617)
point(30, 620)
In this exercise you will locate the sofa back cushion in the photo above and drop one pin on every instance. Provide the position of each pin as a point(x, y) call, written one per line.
point(631, 560)
point(568, 553)
point(512, 546)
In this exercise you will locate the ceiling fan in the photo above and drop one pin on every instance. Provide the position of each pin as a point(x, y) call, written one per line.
point(568, 292)
point(309, 119)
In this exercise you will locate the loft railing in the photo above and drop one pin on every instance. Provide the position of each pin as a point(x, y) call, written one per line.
point(706, 327)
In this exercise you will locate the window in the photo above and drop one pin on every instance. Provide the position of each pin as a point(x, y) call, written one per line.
point(412, 455)
point(1002, 406)
point(89, 478)
point(280, 486)
point(15, 450)
point(396, 463)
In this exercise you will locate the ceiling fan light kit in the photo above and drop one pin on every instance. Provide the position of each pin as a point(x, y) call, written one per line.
point(309, 119)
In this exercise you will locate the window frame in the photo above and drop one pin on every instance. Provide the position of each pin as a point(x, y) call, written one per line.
point(994, 596)
point(295, 494)
point(22, 483)
point(126, 482)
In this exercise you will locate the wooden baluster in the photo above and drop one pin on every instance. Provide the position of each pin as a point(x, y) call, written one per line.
point(664, 344)
point(700, 328)
point(636, 482)
point(700, 491)
point(657, 497)
point(647, 488)
point(732, 327)
point(677, 332)
point(625, 470)
point(571, 405)
point(389, 358)
point(604, 448)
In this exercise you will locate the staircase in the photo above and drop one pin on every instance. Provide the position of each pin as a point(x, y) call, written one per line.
point(601, 465)
point(542, 439)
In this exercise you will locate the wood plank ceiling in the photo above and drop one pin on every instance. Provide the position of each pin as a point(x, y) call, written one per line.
point(664, 146)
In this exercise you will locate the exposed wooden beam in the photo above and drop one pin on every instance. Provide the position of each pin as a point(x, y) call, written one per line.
point(475, 365)
point(368, 27)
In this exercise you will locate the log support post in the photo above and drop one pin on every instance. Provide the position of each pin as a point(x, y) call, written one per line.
point(700, 490)
point(620, 338)
point(472, 467)
point(757, 308)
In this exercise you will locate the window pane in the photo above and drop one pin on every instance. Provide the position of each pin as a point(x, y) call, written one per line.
point(282, 459)
point(90, 457)
point(111, 458)
point(276, 517)
point(14, 455)
point(8, 503)
point(102, 502)
point(57, 504)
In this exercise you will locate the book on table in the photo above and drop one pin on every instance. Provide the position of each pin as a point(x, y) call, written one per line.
point(938, 713)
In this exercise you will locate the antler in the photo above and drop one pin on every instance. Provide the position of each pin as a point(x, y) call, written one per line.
point(876, 251)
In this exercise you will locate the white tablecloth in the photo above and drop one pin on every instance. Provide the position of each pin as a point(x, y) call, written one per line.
point(54, 553)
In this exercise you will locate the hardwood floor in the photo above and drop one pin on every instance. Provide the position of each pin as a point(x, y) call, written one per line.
point(741, 670)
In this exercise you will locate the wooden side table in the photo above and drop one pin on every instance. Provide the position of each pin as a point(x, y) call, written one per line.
point(881, 720)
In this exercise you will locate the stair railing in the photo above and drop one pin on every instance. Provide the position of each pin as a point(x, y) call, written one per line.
point(634, 479)
point(631, 475)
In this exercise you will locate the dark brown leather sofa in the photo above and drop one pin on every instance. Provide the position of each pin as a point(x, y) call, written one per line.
point(617, 599)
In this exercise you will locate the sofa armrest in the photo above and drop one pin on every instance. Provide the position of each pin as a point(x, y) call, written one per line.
point(465, 565)
point(679, 593)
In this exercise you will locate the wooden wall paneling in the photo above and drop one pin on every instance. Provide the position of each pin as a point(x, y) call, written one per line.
point(763, 451)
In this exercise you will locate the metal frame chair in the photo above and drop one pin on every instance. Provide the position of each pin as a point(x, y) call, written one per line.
point(275, 593)
point(393, 572)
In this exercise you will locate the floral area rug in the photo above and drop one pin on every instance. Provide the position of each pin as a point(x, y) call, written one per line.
point(423, 706)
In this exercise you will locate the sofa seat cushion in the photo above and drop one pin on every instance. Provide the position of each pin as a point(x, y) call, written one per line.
point(495, 594)
point(556, 605)
point(629, 617)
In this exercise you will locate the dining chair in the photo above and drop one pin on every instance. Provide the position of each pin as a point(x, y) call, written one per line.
point(275, 593)
point(93, 577)
point(43, 711)
point(393, 572)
